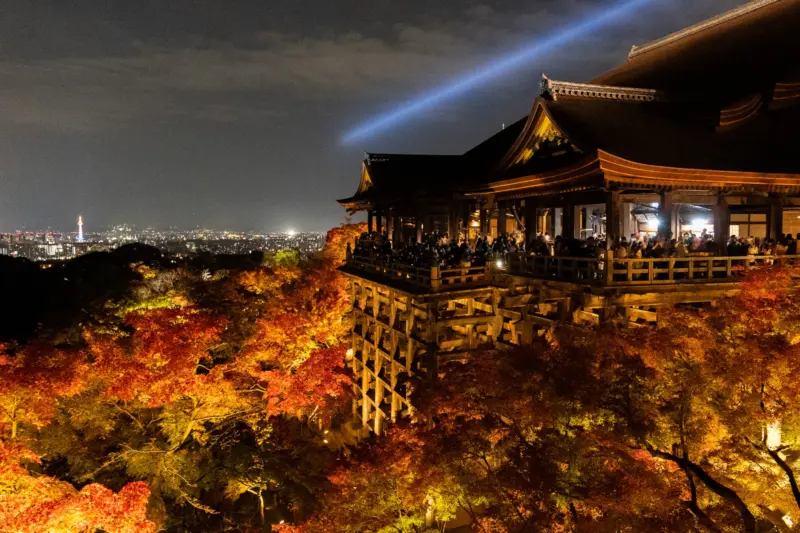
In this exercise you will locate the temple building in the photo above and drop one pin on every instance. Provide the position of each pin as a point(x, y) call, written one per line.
point(695, 133)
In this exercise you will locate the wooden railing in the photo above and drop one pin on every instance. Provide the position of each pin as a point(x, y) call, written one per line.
point(575, 269)
point(609, 271)
point(430, 278)
point(642, 271)
point(447, 278)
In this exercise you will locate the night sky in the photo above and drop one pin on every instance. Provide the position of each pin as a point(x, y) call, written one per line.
point(229, 114)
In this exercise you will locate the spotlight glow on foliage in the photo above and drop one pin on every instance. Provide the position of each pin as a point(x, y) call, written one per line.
point(493, 69)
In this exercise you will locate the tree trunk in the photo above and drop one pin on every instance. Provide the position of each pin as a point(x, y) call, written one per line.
point(748, 520)
point(775, 455)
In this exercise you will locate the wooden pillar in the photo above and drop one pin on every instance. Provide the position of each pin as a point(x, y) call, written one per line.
point(513, 208)
point(613, 205)
point(397, 236)
point(390, 224)
point(418, 227)
point(775, 218)
point(530, 221)
point(568, 221)
point(722, 225)
point(370, 221)
point(378, 221)
point(502, 211)
point(452, 223)
point(627, 229)
point(466, 211)
point(667, 219)
point(484, 231)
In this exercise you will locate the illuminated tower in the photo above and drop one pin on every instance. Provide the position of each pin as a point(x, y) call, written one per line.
point(80, 228)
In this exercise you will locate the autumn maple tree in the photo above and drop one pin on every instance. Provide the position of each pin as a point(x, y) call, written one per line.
point(181, 402)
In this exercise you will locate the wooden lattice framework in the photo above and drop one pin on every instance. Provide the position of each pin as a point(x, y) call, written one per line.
point(401, 334)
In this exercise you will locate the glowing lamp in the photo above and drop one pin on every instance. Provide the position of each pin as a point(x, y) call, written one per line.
point(499, 264)
point(773, 435)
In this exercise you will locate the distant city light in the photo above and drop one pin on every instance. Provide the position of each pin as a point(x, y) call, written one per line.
point(482, 75)
point(53, 245)
point(291, 233)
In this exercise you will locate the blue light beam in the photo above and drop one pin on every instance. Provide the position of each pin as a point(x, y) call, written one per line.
point(491, 70)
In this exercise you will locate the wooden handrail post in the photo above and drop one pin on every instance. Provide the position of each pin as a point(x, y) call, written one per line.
point(609, 266)
point(436, 280)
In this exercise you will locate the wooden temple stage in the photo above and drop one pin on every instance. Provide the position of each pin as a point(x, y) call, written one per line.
point(696, 132)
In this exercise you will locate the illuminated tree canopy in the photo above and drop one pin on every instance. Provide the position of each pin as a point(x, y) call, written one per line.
point(210, 396)
point(185, 397)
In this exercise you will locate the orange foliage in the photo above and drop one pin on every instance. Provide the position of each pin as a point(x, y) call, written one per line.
point(31, 381)
point(157, 362)
point(338, 238)
point(35, 504)
point(319, 383)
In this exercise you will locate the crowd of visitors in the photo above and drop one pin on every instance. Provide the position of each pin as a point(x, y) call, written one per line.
point(438, 249)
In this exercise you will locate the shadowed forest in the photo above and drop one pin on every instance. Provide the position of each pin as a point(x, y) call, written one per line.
point(140, 394)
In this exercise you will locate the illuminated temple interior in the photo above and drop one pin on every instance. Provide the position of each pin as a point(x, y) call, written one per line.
point(694, 133)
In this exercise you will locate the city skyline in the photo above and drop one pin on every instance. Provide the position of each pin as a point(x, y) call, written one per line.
point(168, 227)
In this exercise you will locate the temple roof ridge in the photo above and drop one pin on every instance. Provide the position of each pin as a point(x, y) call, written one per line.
point(555, 88)
point(379, 157)
point(749, 7)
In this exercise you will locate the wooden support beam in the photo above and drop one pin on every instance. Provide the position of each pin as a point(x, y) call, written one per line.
point(465, 321)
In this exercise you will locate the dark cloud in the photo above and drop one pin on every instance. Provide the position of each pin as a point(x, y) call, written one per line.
point(229, 112)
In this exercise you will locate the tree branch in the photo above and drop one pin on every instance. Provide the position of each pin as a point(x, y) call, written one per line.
point(715, 486)
point(775, 455)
